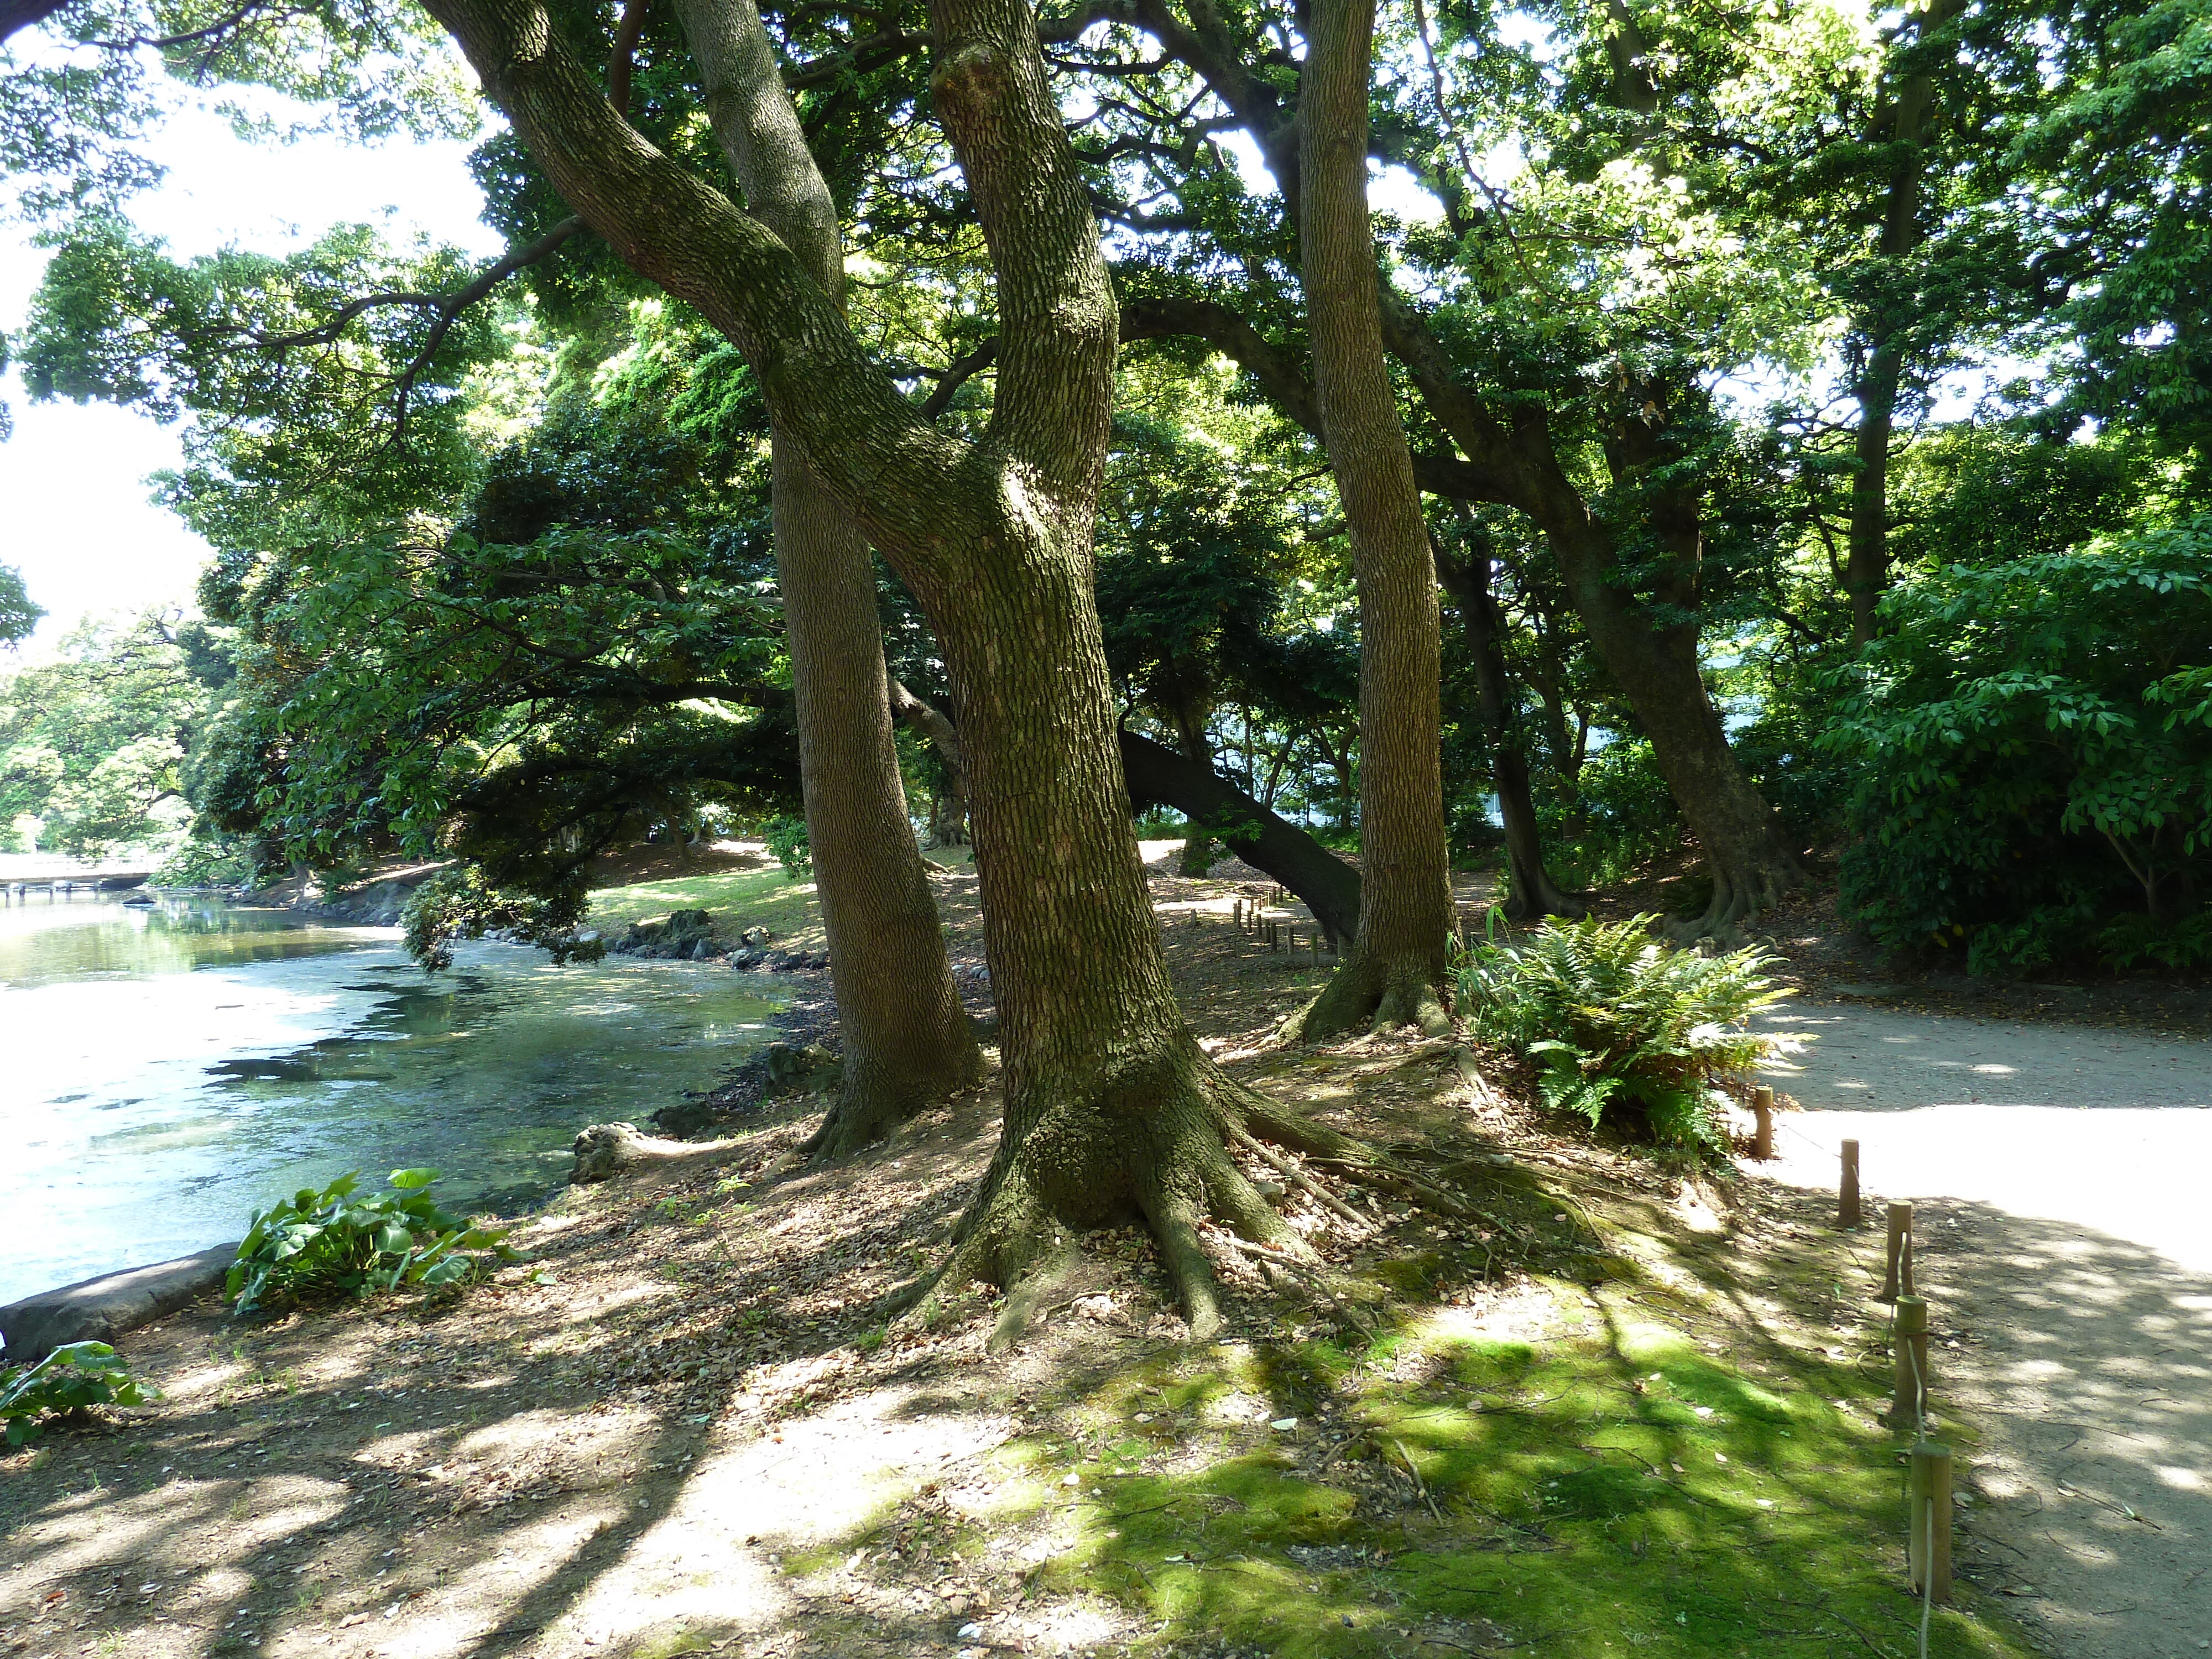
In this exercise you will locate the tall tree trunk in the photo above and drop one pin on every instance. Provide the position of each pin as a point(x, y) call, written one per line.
point(1394, 974)
point(1111, 1109)
point(1866, 568)
point(907, 1044)
point(1530, 890)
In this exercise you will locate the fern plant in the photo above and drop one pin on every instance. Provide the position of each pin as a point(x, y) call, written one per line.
point(1617, 1022)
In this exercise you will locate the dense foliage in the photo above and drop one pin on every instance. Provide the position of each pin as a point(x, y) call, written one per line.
point(93, 744)
point(2032, 746)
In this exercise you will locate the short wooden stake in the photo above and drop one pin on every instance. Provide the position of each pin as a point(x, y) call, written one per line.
point(1909, 1406)
point(1236, 913)
point(1847, 1194)
point(1762, 1107)
point(1928, 1553)
point(1897, 1275)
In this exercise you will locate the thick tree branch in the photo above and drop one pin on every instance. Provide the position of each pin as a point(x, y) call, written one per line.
point(962, 370)
point(901, 477)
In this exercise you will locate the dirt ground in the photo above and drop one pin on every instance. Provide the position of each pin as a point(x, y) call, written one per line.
point(2065, 1246)
point(682, 1425)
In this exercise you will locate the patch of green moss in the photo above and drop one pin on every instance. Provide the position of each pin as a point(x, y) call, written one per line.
point(1612, 1492)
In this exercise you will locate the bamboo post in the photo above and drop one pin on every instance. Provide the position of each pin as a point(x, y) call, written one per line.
point(1762, 1107)
point(1847, 1194)
point(1928, 1555)
point(1897, 1274)
point(1909, 1405)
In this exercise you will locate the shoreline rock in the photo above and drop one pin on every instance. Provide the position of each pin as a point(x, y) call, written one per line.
point(100, 1309)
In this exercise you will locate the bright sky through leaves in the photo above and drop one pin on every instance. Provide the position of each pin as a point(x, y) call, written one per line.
point(78, 521)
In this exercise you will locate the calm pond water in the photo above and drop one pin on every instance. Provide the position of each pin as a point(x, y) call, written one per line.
point(164, 1070)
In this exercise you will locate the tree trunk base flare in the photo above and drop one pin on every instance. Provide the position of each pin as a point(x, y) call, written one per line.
point(1154, 1147)
point(1531, 896)
point(1369, 994)
point(1741, 896)
point(873, 1100)
point(606, 1150)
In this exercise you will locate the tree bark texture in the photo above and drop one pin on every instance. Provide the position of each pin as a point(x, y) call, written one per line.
point(1111, 1109)
point(907, 1042)
point(1328, 886)
point(1530, 890)
point(1395, 971)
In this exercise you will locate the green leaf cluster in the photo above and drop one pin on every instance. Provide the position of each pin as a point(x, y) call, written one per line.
point(75, 1376)
point(1618, 1023)
point(342, 1241)
point(2031, 754)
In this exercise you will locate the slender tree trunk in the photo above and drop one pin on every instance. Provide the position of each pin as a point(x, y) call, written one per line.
point(1751, 862)
point(1866, 570)
point(1394, 974)
point(907, 1044)
point(1530, 890)
point(938, 732)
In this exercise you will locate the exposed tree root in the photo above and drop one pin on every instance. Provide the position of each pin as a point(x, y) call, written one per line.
point(1740, 897)
point(1171, 1164)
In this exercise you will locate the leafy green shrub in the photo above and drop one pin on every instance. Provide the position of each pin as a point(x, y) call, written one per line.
point(69, 1379)
point(332, 1242)
point(1624, 816)
point(1618, 1022)
point(787, 839)
point(2032, 751)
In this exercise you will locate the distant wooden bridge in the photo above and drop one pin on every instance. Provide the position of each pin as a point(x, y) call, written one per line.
point(62, 884)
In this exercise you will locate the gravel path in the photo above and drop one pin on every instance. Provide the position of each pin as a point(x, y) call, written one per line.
point(2059, 1174)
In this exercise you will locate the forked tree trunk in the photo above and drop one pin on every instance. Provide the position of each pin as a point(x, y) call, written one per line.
point(907, 1042)
point(1111, 1109)
point(1530, 892)
point(1394, 974)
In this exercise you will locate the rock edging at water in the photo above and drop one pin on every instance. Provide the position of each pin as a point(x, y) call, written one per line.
point(98, 1310)
point(689, 936)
